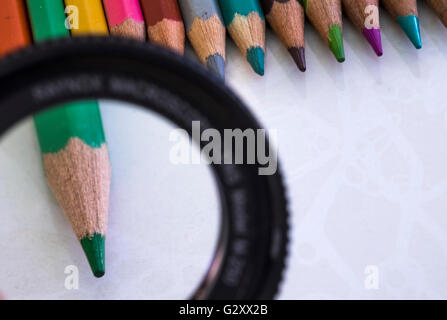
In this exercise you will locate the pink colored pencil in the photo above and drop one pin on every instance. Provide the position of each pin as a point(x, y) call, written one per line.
point(125, 18)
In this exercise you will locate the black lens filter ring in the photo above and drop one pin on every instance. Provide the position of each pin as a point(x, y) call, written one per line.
point(250, 256)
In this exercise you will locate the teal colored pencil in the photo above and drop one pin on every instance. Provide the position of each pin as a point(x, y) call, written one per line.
point(406, 13)
point(246, 24)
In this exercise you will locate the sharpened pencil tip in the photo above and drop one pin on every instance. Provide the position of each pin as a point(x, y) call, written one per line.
point(94, 248)
point(298, 54)
point(336, 43)
point(375, 39)
point(410, 25)
point(255, 57)
point(216, 64)
point(99, 274)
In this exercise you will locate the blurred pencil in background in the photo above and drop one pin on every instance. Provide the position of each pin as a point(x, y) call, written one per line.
point(164, 23)
point(364, 14)
point(92, 20)
point(406, 13)
point(286, 17)
point(125, 19)
point(246, 24)
point(14, 29)
point(326, 17)
point(440, 6)
point(74, 150)
point(206, 31)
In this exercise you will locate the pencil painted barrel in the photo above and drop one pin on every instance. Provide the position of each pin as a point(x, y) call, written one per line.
point(406, 14)
point(206, 32)
point(164, 23)
point(246, 24)
point(364, 14)
point(73, 147)
point(326, 17)
point(286, 18)
point(125, 18)
point(91, 16)
point(14, 28)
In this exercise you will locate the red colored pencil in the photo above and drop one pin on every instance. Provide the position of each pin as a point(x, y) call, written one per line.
point(164, 23)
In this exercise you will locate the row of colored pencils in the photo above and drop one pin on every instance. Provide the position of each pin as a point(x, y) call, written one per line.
point(205, 22)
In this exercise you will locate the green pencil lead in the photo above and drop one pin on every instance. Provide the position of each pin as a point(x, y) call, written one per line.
point(94, 248)
point(336, 42)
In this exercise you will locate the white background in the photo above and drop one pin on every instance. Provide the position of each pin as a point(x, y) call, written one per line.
point(363, 147)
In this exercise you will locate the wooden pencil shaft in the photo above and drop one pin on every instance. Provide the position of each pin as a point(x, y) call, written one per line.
point(324, 14)
point(125, 18)
point(362, 13)
point(287, 20)
point(440, 6)
point(164, 23)
point(245, 23)
point(204, 27)
point(79, 177)
point(400, 8)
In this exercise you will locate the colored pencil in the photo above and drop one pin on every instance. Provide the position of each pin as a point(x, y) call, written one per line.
point(440, 6)
point(326, 17)
point(14, 29)
point(164, 23)
point(406, 13)
point(286, 18)
point(206, 31)
point(74, 150)
point(364, 14)
point(246, 24)
point(125, 19)
point(92, 20)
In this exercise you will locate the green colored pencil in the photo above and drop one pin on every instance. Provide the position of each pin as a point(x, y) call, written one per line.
point(326, 17)
point(74, 150)
point(246, 24)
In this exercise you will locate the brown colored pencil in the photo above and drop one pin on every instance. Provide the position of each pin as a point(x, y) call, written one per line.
point(164, 23)
point(287, 19)
point(440, 7)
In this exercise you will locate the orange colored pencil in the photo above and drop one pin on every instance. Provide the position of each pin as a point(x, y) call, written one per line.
point(14, 29)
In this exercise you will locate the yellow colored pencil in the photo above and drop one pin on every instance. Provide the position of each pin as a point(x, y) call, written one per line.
point(91, 16)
